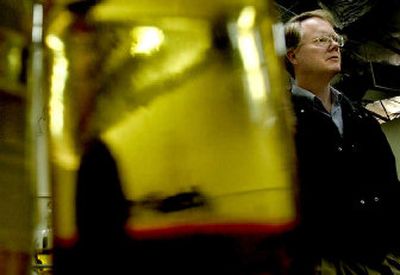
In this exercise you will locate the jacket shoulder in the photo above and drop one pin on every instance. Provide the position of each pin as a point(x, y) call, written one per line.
point(357, 108)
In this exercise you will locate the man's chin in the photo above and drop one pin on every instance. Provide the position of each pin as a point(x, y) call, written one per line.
point(336, 70)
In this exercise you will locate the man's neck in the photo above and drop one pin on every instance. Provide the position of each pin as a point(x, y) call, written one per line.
point(320, 87)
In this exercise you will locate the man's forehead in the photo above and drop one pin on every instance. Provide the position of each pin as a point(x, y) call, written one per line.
point(316, 25)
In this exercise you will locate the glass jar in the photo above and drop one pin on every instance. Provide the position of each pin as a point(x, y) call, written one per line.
point(170, 140)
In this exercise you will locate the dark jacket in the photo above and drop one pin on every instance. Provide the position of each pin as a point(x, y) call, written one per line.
point(348, 185)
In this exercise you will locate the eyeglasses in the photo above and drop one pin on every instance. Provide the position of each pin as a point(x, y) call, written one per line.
point(327, 40)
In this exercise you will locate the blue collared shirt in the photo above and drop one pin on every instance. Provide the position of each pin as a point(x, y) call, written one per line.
point(336, 111)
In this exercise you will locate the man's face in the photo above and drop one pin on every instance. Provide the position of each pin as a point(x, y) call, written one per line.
point(312, 55)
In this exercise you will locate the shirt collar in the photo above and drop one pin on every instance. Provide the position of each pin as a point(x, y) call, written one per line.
point(336, 95)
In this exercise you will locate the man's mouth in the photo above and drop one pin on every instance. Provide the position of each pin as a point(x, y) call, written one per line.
point(333, 58)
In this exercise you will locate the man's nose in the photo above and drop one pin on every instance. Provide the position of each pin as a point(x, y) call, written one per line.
point(334, 45)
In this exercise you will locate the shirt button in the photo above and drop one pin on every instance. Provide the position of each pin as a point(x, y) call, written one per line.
point(340, 149)
point(302, 111)
point(376, 199)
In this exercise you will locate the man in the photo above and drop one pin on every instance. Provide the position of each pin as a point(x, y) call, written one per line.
point(348, 182)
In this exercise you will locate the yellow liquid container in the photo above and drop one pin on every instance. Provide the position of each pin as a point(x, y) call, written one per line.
point(170, 137)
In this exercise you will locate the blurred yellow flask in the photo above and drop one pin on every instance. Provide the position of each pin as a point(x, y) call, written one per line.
point(189, 98)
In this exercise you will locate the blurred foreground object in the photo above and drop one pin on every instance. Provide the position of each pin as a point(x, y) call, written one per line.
point(170, 140)
point(15, 186)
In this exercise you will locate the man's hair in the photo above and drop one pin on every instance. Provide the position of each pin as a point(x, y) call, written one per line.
point(293, 31)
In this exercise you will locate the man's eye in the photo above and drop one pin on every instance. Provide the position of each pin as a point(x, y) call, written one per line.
point(323, 39)
point(336, 39)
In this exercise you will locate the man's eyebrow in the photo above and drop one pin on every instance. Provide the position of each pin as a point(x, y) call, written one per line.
point(325, 33)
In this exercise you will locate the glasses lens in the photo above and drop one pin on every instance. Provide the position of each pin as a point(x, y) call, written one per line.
point(323, 41)
point(339, 40)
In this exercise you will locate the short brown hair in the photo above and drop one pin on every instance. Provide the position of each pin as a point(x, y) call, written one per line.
point(293, 31)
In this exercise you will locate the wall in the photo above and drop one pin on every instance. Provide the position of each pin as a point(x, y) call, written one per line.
point(392, 131)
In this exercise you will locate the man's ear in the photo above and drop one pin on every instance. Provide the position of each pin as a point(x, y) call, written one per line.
point(291, 56)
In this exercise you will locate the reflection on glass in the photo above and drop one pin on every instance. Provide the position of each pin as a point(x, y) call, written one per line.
point(146, 40)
